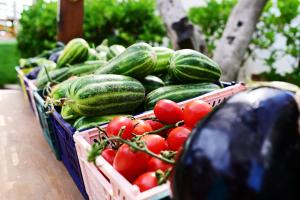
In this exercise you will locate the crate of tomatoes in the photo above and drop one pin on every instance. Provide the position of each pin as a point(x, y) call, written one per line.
point(132, 157)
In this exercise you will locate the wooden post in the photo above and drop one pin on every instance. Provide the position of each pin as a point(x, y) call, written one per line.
point(69, 20)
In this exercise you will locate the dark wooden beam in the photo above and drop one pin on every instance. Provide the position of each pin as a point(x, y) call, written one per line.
point(70, 20)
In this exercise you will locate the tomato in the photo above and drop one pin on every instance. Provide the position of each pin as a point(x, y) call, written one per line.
point(109, 155)
point(177, 137)
point(185, 126)
point(195, 111)
point(141, 127)
point(130, 163)
point(156, 164)
point(157, 125)
point(146, 181)
point(115, 125)
point(155, 143)
point(168, 111)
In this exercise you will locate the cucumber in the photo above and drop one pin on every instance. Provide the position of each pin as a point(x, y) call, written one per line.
point(47, 65)
point(87, 67)
point(103, 47)
point(60, 90)
point(105, 94)
point(62, 74)
point(189, 66)
point(136, 61)
point(115, 50)
point(56, 76)
point(93, 55)
point(91, 122)
point(76, 51)
point(68, 114)
point(151, 83)
point(178, 93)
point(163, 59)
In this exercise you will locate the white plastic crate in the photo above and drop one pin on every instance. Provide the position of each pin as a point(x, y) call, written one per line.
point(105, 183)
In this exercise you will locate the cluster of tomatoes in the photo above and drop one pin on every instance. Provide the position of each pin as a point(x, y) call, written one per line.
point(139, 167)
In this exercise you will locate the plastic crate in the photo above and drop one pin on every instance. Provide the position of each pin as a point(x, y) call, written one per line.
point(109, 184)
point(46, 122)
point(28, 88)
point(64, 133)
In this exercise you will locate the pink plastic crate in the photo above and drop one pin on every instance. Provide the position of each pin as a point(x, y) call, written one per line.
point(105, 183)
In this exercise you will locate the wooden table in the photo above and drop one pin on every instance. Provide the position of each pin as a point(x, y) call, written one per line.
point(28, 168)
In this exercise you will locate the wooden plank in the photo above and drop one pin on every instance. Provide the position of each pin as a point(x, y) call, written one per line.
point(70, 19)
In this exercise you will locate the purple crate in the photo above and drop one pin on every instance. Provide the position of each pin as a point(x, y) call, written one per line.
point(64, 133)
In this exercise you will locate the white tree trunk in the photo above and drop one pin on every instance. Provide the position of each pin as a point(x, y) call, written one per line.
point(181, 33)
point(237, 35)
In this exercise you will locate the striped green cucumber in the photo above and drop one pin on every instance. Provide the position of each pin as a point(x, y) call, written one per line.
point(103, 47)
point(47, 65)
point(90, 122)
point(56, 76)
point(136, 61)
point(62, 74)
point(167, 79)
point(178, 93)
point(163, 57)
point(87, 67)
point(60, 90)
point(105, 94)
point(76, 51)
point(93, 54)
point(68, 114)
point(115, 50)
point(189, 66)
point(151, 83)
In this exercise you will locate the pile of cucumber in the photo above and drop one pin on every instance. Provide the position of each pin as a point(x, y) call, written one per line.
point(113, 80)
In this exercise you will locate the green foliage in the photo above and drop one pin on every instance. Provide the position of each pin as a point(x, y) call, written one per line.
point(212, 20)
point(8, 63)
point(38, 28)
point(279, 22)
point(123, 22)
point(274, 21)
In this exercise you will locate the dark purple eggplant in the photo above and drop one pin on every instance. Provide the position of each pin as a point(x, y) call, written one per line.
point(54, 56)
point(33, 73)
point(246, 149)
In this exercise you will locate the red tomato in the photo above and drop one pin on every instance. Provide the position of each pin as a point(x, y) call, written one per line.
point(185, 126)
point(194, 111)
point(168, 111)
point(109, 155)
point(115, 125)
point(146, 181)
point(141, 127)
point(177, 137)
point(155, 143)
point(156, 164)
point(157, 125)
point(130, 163)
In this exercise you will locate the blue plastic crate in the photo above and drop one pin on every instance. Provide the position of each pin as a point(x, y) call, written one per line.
point(46, 122)
point(64, 133)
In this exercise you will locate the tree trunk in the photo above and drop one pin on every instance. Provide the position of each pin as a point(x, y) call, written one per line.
point(237, 35)
point(70, 20)
point(180, 31)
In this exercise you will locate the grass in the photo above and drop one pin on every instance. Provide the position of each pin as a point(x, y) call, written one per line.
point(9, 58)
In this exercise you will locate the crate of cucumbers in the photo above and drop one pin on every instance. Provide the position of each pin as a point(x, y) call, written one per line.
point(88, 87)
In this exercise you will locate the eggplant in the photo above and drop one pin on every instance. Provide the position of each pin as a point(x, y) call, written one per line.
point(248, 148)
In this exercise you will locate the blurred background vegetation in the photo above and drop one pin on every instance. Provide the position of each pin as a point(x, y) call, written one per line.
point(126, 22)
point(121, 22)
